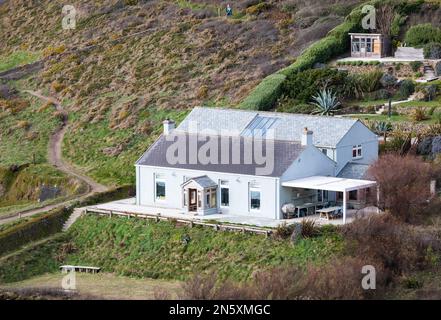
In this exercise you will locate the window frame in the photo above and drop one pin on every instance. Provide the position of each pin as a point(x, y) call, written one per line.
point(358, 149)
point(160, 178)
point(255, 188)
point(224, 184)
point(210, 194)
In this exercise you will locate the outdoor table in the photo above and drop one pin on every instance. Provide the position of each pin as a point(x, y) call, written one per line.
point(326, 211)
point(305, 206)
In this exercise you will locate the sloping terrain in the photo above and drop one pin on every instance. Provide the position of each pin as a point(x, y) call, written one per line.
point(130, 64)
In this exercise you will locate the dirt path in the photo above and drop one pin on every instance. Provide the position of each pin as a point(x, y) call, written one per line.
point(55, 158)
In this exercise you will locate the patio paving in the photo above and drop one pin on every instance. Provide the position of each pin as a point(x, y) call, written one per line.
point(129, 205)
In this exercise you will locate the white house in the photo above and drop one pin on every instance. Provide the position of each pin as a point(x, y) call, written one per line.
point(252, 163)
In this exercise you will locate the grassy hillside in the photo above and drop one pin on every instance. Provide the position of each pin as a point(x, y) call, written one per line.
point(26, 124)
point(141, 248)
point(181, 54)
point(20, 187)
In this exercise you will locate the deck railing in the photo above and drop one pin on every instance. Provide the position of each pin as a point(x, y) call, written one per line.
point(158, 217)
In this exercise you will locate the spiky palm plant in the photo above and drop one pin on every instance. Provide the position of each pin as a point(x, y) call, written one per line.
point(383, 128)
point(326, 102)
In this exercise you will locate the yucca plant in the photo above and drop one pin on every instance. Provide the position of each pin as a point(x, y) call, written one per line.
point(383, 128)
point(326, 102)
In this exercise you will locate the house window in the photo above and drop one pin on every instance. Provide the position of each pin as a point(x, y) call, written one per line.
point(255, 196)
point(353, 195)
point(325, 151)
point(356, 45)
point(210, 198)
point(369, 45)
point(356, 151)
point(225, 193)
point(160, 186)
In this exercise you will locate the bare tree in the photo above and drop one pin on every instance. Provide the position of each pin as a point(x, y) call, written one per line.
point(385, 17)
point(404, 184)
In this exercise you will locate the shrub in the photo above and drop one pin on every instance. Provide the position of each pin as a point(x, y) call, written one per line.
point(57, 86)
point(380, 94)
point(293, 106)
point(338, 279)
point(432, 50)
point(51, 51)
point(407, 88)
point(309, 229)
point(367, 82)
point(265, 94)
point(419, 35)
point(432, 110)
point(438, 69)
point(303, 85)
point(258, 8)
point(389, 243)
point(404, 184)
point(418, 114)
point(283, 231)
point(415, 65)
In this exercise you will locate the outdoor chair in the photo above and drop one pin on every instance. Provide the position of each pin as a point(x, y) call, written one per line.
point(337, 214)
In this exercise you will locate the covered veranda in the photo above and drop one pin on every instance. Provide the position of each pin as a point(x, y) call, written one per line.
point(332, 184)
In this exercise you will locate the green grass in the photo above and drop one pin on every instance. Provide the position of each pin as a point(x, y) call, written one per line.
point(427, 104)
point(140, 248)
point(85, 147)
point(32, 260)
point(21, 191)
point(17, 145)
point(16, 59)
point(371, 103)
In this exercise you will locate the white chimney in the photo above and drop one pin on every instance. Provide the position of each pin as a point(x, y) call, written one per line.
point(307, 137)
point(169, 126)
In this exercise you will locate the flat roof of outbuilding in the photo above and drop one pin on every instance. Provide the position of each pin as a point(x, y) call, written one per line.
point(329, 183)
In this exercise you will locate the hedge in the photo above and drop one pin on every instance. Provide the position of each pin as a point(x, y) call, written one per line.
point(422, 34)
point(52, 222)
point(265, 95)
point(34, 229)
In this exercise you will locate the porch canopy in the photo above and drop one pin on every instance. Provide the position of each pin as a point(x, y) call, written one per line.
point(343, 185)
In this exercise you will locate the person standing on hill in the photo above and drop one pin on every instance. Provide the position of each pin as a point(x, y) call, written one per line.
point(229, 11)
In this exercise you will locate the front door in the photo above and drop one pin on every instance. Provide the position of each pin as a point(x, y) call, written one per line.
point(192, 200)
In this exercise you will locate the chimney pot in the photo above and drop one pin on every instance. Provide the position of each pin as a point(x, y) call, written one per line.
point(169, 126)
point(307, 137)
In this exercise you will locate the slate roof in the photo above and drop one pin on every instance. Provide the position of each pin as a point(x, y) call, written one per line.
point(328, 131)
point(285, 152)
point(353, 170)
point(203, 181)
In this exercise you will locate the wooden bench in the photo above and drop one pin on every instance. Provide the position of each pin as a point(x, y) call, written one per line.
point(68, 268)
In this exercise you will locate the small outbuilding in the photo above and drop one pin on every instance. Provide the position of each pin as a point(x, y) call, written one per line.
point(369, 45)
